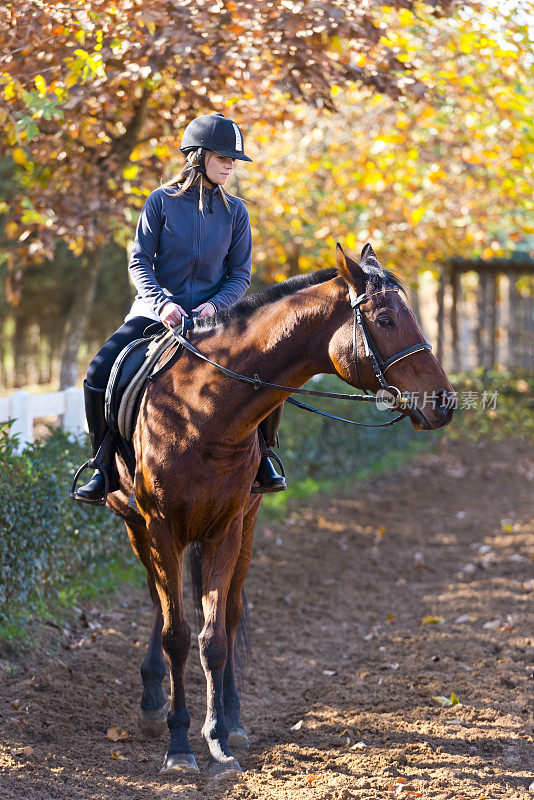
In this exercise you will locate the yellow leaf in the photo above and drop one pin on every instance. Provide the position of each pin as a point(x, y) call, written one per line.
point(335, 44)
point(19, 156)
point(429, 620)
point(40, 84)
point(130, 172)
point(117, 735)
point(9, 90)
point(417, 215)
point(406, 17)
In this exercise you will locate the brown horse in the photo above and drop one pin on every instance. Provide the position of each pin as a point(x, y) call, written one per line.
point(197, 453)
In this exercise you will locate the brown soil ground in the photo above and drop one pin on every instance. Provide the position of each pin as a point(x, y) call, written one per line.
point(337, 597)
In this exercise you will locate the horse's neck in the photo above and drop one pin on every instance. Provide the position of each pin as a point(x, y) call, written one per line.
point(285, 342)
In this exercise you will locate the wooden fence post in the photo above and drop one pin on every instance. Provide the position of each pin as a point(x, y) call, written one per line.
point(493, 320)
point(482, 307)
point(20, 412)
point(74, 414)
point(440, 298)
point(455, 286)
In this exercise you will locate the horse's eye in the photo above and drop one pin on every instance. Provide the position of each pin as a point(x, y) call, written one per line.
point(386, 322)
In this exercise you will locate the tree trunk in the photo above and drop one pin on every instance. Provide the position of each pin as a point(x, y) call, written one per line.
point(77, 319)
point(20, 352)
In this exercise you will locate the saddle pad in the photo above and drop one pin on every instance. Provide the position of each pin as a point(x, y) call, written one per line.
point(127, 381)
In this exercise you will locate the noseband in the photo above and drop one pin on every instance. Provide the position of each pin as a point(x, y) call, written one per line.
point(380, 367)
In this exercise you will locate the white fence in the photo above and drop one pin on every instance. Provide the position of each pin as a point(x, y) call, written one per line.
point(24, 408)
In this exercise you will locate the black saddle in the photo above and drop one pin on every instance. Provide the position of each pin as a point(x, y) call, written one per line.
point(125, 367)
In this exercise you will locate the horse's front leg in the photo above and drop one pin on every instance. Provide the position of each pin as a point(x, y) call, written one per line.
point(218, 563)
point(167, 560)
point(237, 735)
point(154, 704)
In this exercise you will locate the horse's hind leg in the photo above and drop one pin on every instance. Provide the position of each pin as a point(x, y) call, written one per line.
point(154, 705)
point(218, 563)
point(237, 735)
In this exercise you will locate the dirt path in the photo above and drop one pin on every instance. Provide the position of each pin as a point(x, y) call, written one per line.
point(337, 596)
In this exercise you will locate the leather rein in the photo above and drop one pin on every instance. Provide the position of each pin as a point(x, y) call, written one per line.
point(379, 366)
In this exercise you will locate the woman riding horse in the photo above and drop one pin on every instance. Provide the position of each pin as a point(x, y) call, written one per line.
point(184, 262)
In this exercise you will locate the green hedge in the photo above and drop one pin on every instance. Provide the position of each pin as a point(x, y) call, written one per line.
point(47, 539)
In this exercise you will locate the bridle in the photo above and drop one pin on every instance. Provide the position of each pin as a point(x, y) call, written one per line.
point(379, 365)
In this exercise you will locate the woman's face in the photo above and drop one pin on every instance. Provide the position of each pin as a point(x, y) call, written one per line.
point(218, 168)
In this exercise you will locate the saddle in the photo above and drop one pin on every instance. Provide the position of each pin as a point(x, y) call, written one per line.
point(134, 366)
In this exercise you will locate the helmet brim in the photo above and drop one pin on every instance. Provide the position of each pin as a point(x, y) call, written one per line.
point(226, 153)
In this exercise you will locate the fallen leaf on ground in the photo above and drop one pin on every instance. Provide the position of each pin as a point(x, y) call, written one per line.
point(23, 751)
point(117, 735)
point(312, 778)
point(297, 725)
point(465, 618)
point(429, 620)
point(117, 755)
point(446, 701)
point(358, 746)
point(15, 703)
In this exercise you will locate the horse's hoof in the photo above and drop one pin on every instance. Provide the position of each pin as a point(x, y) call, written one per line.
point(153, 723)
point(224, 769)
point(179, 762)
point(237, 737)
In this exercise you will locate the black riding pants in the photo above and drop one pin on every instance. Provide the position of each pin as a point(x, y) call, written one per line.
point(100, 367)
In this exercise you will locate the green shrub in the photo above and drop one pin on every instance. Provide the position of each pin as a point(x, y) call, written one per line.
point(47, 540)
point(503, 405)
point(317, 448)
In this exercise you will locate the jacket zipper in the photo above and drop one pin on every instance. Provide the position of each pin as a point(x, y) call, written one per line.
point(196, 260)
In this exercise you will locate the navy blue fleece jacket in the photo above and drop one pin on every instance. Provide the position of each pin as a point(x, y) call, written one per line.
point(189, 257)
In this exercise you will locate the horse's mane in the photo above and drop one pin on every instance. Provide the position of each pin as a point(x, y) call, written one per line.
point(377, 278)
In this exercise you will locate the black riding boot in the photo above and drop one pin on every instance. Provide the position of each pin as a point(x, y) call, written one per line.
point(267, 478)
point(95, 490)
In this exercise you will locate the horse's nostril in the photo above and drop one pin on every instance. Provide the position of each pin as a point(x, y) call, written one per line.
point(445, 401)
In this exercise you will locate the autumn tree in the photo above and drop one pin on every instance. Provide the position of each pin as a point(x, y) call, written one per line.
point(94, 98)
point(451, 174)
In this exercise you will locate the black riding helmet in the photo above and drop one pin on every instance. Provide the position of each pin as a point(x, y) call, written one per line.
point(214, 132)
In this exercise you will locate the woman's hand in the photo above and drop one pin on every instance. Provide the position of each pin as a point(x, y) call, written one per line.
point(171, 314)
point(205, 309)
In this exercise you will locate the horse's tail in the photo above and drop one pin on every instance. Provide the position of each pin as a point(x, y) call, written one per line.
point(242, 645)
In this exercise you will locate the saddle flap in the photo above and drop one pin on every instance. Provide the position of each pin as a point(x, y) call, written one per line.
point(127, 381)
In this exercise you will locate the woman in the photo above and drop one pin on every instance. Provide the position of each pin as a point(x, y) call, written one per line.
point(186, 258)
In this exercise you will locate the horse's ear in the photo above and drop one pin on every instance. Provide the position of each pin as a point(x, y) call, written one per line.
point(368, 257)
point(350, 270)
